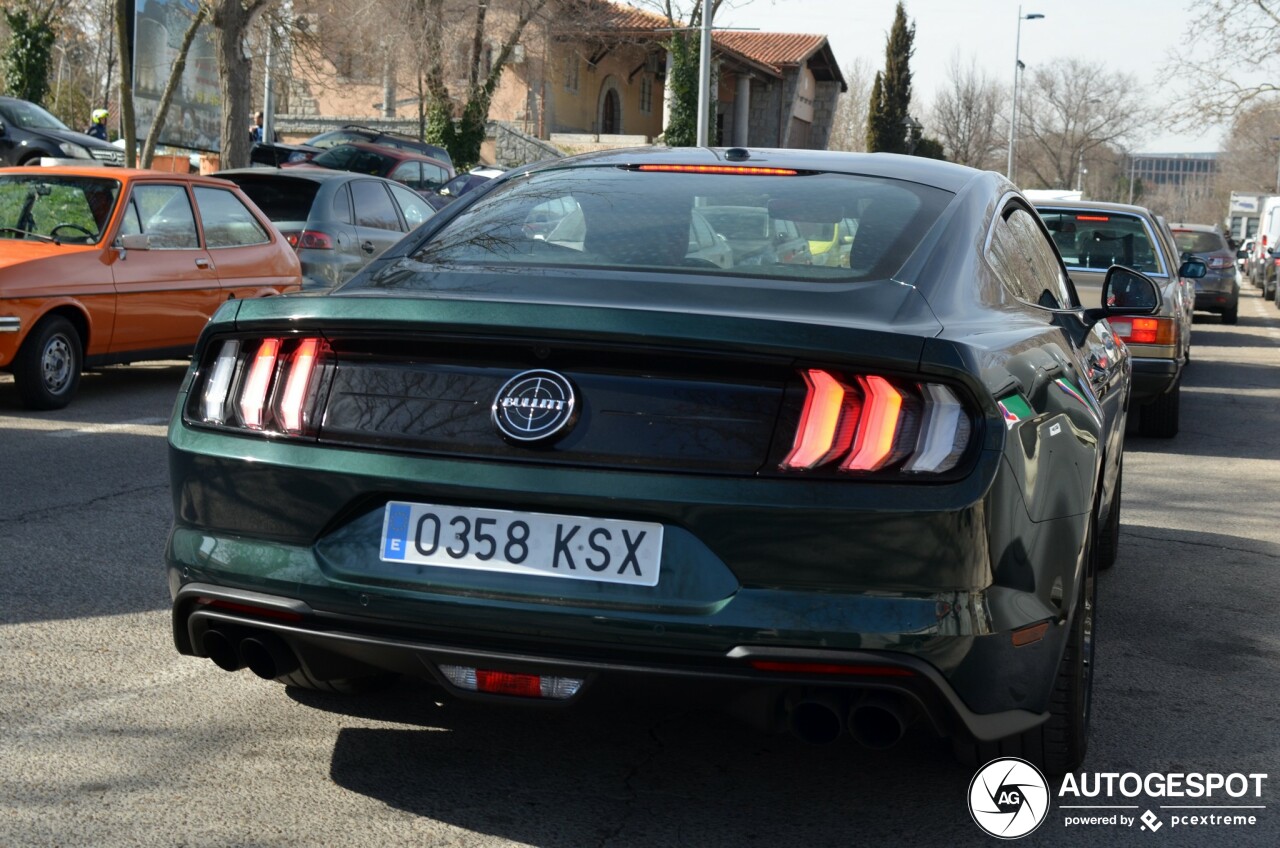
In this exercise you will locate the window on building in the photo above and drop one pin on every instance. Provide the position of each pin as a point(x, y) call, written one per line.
point(646, 94)
point(571, 72)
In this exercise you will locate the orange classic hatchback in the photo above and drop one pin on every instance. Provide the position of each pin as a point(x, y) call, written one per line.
point(101, 267)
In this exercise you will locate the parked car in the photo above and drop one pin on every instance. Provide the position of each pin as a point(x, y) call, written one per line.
point(28, 134)
point(1219, 290)
point(705, 244)
point(420, 173)
point(278, 153)
point(114, 266)
point(460, 185)
point(526, 472)
point(757, 237)
point(337, 221)
point(1243, 253)
point(1092, 236)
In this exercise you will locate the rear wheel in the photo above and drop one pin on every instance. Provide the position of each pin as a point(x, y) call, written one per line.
point(1232, 315)
point(1059, 745)
point(1158, 419)
point(47, 367)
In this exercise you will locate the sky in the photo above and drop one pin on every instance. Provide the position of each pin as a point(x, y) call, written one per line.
point(1138, 37)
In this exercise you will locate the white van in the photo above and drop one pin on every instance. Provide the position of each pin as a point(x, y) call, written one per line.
point(1268, 247)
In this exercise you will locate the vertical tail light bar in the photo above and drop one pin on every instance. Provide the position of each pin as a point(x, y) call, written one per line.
point(301, 367)
point(253, 397)
point(213, 402)
point(869, 423)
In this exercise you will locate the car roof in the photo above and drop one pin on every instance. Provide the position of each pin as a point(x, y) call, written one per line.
point(1201, 228)
point(399, 153)
point(122, 174)
point(934, 172)
point(315, 175)
point(1099, 205)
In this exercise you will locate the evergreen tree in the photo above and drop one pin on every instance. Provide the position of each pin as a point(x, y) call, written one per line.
point(891, 94)
point(29, 52)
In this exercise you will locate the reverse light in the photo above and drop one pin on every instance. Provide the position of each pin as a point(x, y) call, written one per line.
point(869, 423)
point(1161, 331)
point(512, 683)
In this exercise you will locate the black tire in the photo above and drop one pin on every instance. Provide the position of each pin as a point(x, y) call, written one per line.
point(1232, 315)
point(1158, 418)
point(1059, 745)
point(47, 367)
point(1109, 532)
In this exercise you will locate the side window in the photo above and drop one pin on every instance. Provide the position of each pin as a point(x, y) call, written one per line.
point(433, 176)
point(415, 209)
point(131, 224)
point(342, 205)
point(409, 173)
point(227, 222)
point(1027, 263)
point(373, 206)
point(166, 216)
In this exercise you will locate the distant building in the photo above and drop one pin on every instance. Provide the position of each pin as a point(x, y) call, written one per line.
point(1173, 168)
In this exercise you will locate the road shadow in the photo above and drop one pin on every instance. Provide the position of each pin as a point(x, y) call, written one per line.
point(144, 381)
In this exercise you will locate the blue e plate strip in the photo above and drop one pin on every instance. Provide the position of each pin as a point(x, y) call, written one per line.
point(396, 533)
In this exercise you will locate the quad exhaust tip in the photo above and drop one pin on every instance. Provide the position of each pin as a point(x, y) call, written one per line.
point(264, 654)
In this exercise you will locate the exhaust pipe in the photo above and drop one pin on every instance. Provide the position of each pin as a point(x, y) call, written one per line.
point(878, 720)
point(267, 656)
point(217, 646)
point(818, 719)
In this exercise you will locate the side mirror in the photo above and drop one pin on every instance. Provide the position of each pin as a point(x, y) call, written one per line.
point(1193, 269)
point(134, 241)
point(1125, 292)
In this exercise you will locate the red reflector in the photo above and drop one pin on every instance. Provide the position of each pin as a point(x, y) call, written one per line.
point(246, 609)
point(721, 169)
point(314, 240)
point(831, 668)
point(1028, 635)
point(291, 238)
point(1093, 217)
point(507, 683)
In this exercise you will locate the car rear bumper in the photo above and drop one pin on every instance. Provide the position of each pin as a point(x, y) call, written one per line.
point(332, 647)
point(1153, 377)
point(1216, 301)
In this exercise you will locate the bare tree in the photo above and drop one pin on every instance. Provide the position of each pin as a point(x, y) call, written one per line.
point(231, 20)
point(967, 115)
point(1227, 44)
point(1250, 158)
point(849, 126)
point(1071, 108)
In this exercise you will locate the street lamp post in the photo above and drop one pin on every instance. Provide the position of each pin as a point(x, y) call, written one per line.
point(704, 76)
point(1017, 72)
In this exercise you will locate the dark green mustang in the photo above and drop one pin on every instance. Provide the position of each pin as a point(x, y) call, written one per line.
point(826, 434)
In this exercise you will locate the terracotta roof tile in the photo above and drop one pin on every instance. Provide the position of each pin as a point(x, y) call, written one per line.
point(619, 16)
point(771, 48)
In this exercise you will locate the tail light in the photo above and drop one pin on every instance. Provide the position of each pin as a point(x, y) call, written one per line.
point(1217, 263)
point(1161, 331)
point(291, 237)
point(315, 240)
point(871, 423)
point(520, 685)
point(271, 385)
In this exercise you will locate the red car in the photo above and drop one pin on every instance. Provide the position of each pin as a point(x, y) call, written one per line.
point(421, 173)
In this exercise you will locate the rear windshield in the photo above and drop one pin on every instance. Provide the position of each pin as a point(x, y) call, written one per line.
point(812, 226)
point(281, 199)
point(1198, 241)
point(1102, 239)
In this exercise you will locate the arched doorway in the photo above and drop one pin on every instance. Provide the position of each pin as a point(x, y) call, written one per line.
point(610, 115)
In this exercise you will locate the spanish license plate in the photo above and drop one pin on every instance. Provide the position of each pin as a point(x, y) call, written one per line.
point(572, 546)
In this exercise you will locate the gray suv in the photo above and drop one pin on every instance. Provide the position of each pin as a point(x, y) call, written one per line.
point(1219, 290)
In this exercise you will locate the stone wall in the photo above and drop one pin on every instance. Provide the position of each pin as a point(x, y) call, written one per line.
point(513, 147)
point(824, 111)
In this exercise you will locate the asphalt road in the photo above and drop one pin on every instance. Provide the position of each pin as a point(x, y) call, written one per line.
point(109, 738)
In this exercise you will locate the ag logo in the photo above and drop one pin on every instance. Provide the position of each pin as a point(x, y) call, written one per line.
point(535, 406)
point(1008, 798)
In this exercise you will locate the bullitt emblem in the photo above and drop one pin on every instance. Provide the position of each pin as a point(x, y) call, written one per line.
point(535, 406)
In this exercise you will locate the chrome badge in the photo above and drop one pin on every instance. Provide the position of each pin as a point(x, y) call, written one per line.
point(535, 406)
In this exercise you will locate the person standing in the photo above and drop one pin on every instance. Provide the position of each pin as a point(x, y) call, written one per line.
point(98, 124)
point(255, 131)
